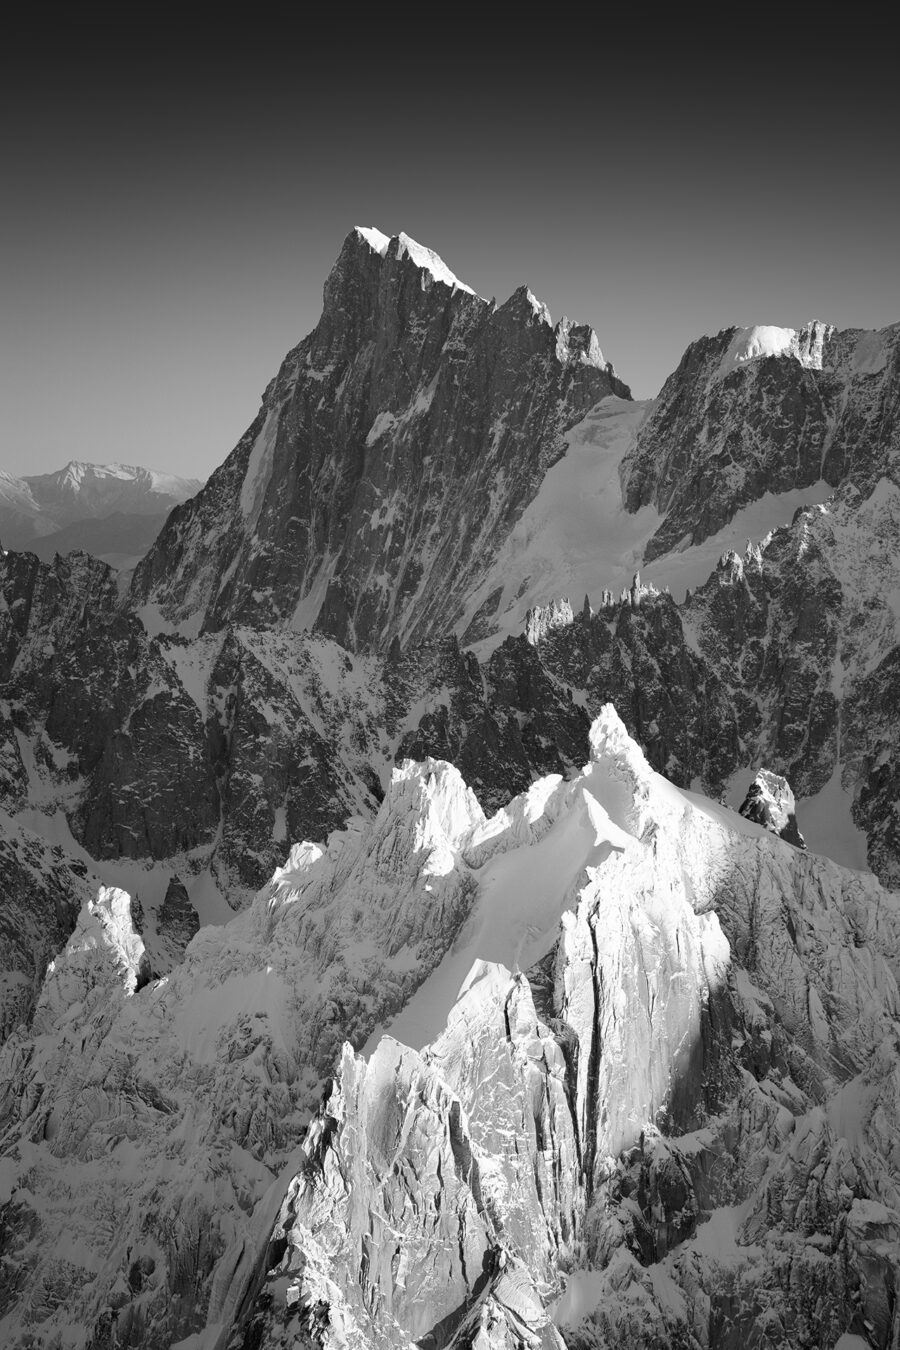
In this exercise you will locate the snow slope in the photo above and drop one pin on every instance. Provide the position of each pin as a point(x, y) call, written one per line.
point(576, 539)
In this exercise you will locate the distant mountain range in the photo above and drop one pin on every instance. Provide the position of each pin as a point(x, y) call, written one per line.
point(113, 511)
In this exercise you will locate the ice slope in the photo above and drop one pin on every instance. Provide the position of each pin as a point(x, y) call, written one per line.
point(694, 974)
point(575, 538)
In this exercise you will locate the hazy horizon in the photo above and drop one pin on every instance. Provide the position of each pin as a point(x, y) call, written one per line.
point(175, 203)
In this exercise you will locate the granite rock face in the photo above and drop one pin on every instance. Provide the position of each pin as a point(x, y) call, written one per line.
point(393, 452)
point(762, 410)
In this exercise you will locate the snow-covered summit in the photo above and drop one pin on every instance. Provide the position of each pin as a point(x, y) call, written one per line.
point(405, 247)
point(610, 976)
point(101, 486)
point(805, 345)
point(377, 241)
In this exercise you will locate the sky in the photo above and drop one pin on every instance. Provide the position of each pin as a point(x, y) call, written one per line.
point(174, 194)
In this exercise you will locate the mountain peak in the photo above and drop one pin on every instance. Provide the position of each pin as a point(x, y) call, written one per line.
point(403, 246)
point(413, 390)
point(377, 241)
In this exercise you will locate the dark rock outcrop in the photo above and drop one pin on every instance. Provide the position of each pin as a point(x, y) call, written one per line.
point(177, 916)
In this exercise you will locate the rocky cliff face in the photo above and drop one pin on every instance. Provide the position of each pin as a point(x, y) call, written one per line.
point(396, 448)
point(764, 410)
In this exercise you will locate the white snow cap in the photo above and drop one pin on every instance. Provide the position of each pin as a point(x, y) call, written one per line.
point(423, 257)
point(749, 344)
point(377, 241)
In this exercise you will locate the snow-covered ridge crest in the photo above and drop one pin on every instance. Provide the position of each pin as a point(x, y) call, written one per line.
point(377, 241)
point(405, 247)
point(805, 345)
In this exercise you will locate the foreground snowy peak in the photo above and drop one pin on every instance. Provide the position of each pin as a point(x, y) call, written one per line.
point(580, 1126)
point(393, 453)
point(630, 1017)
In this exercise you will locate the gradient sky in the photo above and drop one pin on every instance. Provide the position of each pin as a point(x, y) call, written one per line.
point(173, 198)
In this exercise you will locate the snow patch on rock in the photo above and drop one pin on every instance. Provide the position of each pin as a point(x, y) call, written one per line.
point(259, 468)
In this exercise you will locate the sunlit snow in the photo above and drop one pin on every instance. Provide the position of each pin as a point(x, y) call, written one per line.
point(576, 539)
point(424, 258)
